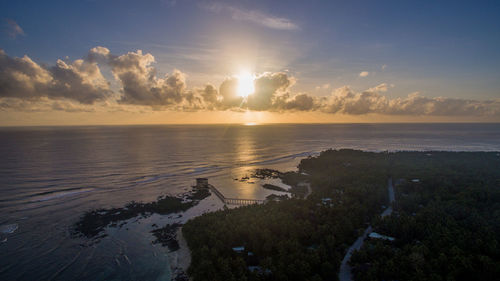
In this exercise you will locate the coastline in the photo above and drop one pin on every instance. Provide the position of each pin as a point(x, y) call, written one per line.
point(180, 260)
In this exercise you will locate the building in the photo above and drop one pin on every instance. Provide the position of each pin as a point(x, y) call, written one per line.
point(239, 249)
point(202, 182)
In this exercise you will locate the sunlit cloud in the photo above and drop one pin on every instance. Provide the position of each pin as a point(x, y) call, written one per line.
point(323, 87)
point(345, 100)
point(79, 86)
point(80, 80)
point(364, 74)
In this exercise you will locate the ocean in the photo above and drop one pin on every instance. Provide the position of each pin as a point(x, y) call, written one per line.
point(50, 176)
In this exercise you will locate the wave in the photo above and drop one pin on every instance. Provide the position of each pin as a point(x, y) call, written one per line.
point(46, 196)
point(283, 158)
point(185, 172)
point(202, 170)
point(9, 228)
point(147, 179)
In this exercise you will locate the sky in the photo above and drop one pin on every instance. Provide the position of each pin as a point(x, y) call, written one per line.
point(183, 61)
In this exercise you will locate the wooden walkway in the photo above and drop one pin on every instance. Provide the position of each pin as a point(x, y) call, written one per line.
point(234, 201)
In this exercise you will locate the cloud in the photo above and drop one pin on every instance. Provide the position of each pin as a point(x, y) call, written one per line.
point(380, 88)
point(271, 92)
point(13, 29)
point(346, 101)
point(139, 80)
point(44, 104)
point(300, 102)
point(267, 87)
point(415, 104)
point(254, 16)
point(79, 86)
point(209, 94)
point(323, 87)
point(229, 94)
point(80, 80)
point(364, 73)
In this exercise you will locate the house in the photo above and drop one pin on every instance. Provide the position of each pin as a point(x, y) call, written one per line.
point(327, 201)
point(202, 182)
point(239, 249)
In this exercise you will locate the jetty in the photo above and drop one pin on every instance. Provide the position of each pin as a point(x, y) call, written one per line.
point(203, 183)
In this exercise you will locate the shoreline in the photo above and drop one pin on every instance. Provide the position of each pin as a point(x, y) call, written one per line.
point(180, 260)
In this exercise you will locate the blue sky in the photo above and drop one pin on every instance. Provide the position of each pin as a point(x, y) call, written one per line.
point(445, 48)
point(436, 48)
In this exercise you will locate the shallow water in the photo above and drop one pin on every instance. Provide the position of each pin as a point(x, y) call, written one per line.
point(49, 176)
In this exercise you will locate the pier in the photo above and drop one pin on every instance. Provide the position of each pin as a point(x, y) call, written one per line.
point(203, 183)
point(234, 201)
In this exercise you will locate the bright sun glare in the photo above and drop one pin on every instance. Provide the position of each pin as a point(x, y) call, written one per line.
point(245, 84)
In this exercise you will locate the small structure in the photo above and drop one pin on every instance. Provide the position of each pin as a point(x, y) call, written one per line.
point(202, 182)
point(239, 249)
point(327, 201)
point(415, 180)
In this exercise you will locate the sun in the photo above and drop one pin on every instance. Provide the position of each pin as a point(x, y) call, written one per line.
point(245, 84)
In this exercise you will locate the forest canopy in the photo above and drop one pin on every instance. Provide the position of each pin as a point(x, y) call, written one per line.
point(446, 222)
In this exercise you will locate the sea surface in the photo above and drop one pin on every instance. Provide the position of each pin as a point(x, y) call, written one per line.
point(49, 176)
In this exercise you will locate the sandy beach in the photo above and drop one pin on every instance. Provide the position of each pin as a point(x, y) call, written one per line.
point(179, 260)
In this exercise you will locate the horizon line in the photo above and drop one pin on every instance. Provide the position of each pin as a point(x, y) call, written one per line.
point(245, 124)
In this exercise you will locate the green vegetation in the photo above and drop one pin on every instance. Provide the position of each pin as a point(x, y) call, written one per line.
point(274, 187)
point(446, 224)
point(290, 178)
point(293, 239)
point(266, 174)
